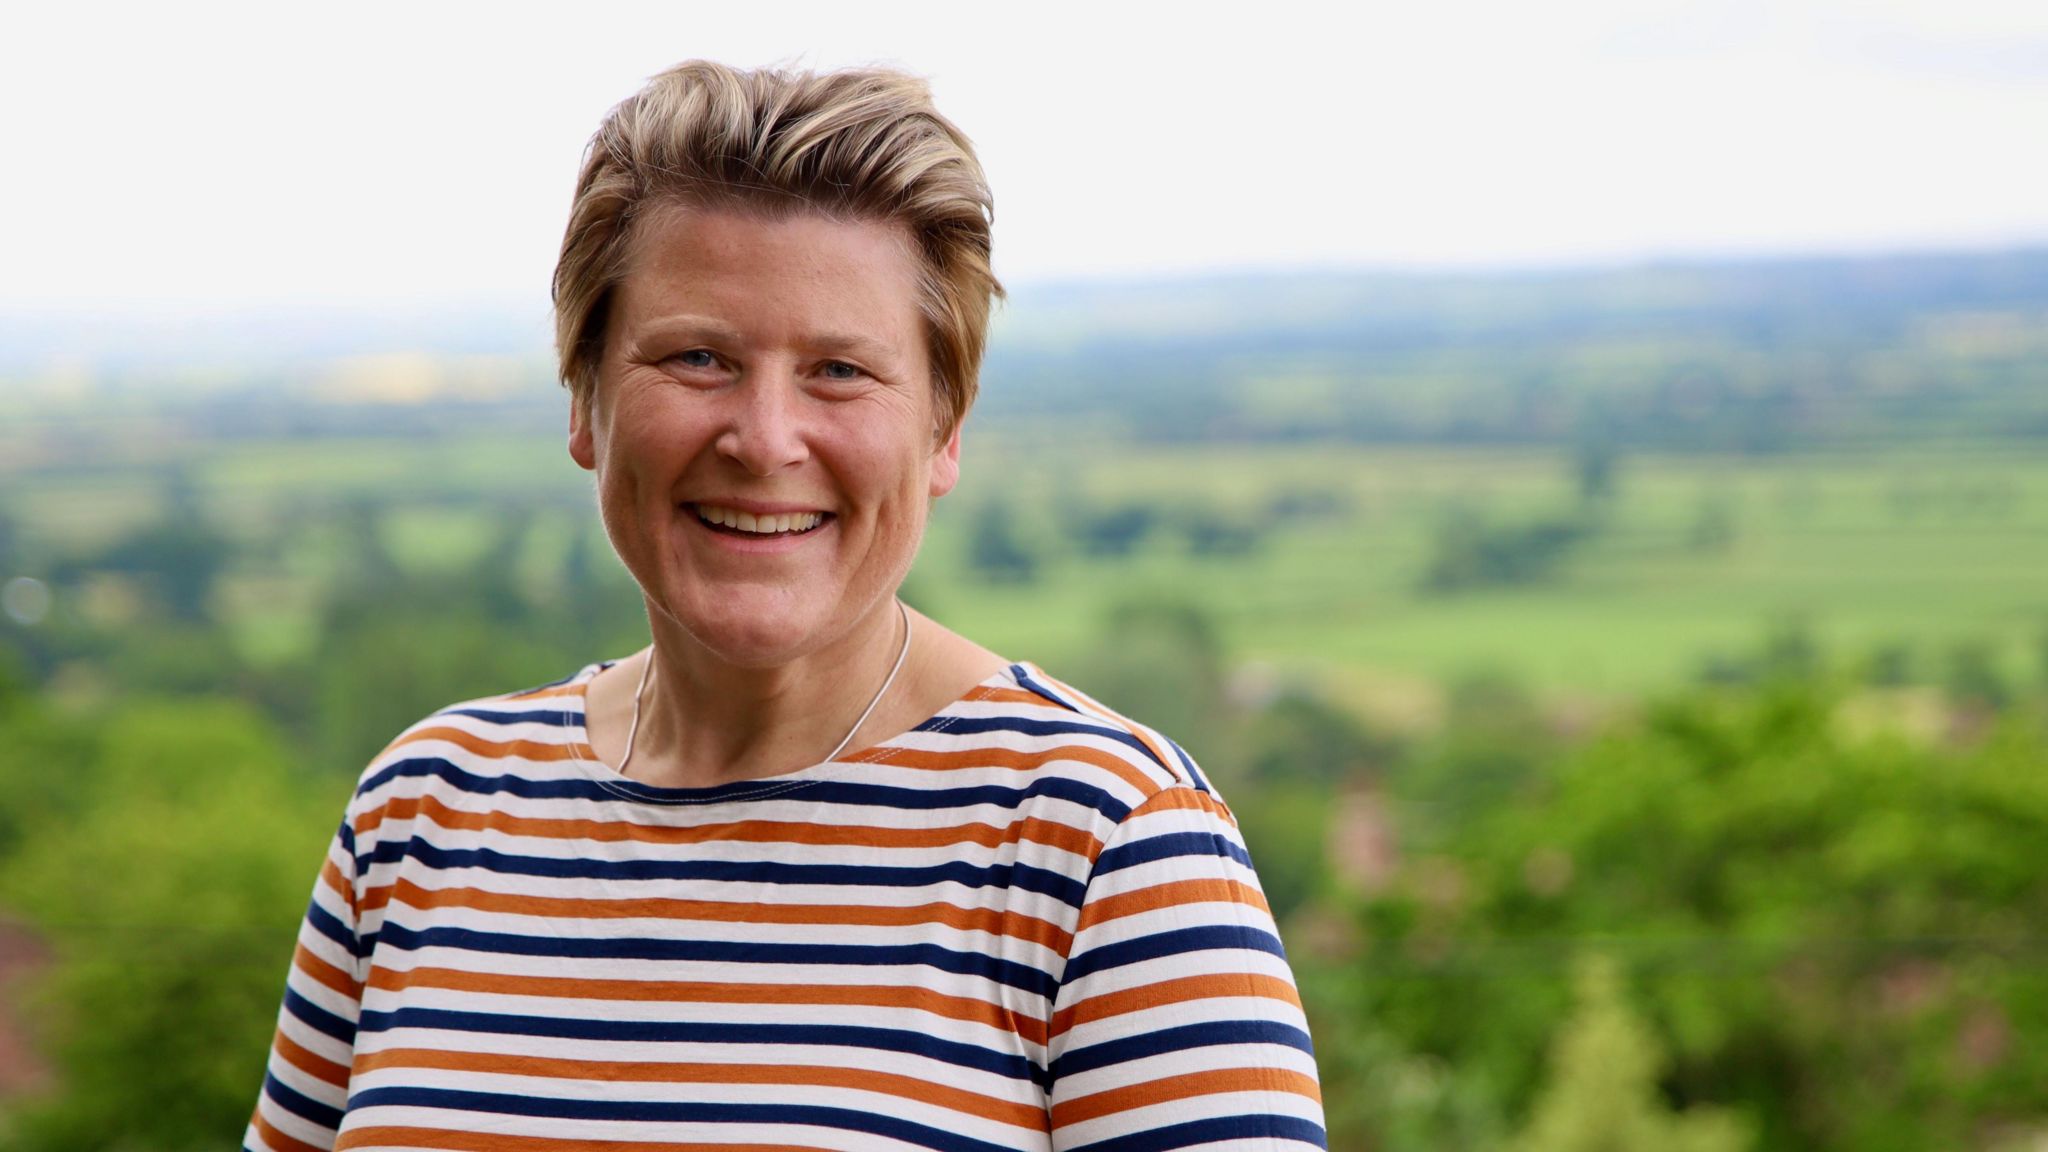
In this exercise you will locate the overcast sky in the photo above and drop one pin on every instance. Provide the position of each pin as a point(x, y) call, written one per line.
point(194, 156)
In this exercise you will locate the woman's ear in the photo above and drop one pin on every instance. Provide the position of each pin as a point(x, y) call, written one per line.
point(946, 464)
point(582, 448)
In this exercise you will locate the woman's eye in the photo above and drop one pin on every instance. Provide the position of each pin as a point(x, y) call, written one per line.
point(840, 370)
point(697, 358)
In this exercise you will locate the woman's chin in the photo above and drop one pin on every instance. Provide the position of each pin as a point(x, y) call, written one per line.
point(750, 631)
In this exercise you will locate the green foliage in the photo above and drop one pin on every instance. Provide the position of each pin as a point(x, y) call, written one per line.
point(1284, 830)
point(1595, 468)
point(1602, 1094)
point(1161, 662)
point(387, 669)
point(1974, 677)
point(1113, 531)
point(1471, 552)
point(169, 904)
point(1301, 738)
point(1831, 930)
point(995, 546)
point(1211, 533)
point(179, 556)
point(1380, 1096)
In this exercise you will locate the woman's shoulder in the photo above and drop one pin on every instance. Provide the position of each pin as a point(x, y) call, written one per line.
point(486, 735)
point(1057, 716)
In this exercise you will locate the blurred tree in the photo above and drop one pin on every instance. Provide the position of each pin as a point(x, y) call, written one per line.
point(1300, 738)
point(1113, 531)
point(1160, 662)
point(11, 558)
point(1973, 678)
point(1595, 468)
point(1602, 1094)
point(1490, 749)
point(1890, 665)
point(1213, 533)
point(1713, 524)
point(1468, 552)
point(169, 906)
point(995, 549)
point(178, 557)
point(1831, 929)
point(1377, 1095)
point(1285, 828)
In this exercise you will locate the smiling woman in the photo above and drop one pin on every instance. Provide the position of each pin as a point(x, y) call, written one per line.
point(657, 904)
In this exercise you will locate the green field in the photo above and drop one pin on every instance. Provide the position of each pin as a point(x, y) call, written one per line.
point(1698, 556)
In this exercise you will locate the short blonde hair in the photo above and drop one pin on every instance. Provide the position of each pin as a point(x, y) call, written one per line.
point(859, 144)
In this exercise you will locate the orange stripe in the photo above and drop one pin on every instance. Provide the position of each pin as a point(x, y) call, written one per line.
point(965, 1008)
point(323, 972)
point(999, 923)
point(993, 757)
point(1182, 1087)
point(400, 1137)
point(330, 874)
point(1010, 696)
point(1179, 990)
point(1199, 890)
point(311, 1063)
point(1029, 1116)
point(470, 742)
point(1193, 799)
point(278, 1140)
point(1034, 830)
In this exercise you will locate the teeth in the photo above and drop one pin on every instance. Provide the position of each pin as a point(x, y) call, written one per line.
point(759, 525)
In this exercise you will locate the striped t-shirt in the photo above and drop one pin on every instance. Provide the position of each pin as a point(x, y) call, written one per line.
point(1028, 923)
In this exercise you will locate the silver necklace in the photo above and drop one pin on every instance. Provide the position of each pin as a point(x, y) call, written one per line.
point(647, 669)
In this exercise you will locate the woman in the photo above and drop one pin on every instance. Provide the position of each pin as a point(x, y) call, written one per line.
point(812, 870)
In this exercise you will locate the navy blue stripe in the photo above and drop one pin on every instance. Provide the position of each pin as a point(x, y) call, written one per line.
point(895, 1040)
point(347, 835)
point(317, 1018)
point(440, 769)
point(1166, 846)
point(1208, 937)
point(976, 725)
point(548, 712)
point(1214, 1034)
point(970, 963)
point(1023, 877)
point(1023, 677)
point(1188, 763)
point(830, 791)
point(752, 1116)
point(1213, 1131)
point(325, 923)
point(299, 1104)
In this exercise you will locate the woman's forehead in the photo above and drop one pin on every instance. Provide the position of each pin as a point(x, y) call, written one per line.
point(835, 280)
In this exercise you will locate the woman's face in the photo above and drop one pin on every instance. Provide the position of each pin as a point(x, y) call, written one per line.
point(762, 429)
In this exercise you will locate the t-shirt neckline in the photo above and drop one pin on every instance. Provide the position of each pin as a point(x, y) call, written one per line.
point(625, 787)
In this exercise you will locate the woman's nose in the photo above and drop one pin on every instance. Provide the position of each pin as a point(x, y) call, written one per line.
point(764, 432)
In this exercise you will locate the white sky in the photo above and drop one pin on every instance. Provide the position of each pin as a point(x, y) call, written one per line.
point(185, 156)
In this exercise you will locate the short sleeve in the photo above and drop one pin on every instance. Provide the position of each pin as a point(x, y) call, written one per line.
point(305, 1086)
point(1177, 1023)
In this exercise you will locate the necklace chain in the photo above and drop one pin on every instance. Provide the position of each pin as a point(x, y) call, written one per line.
point(647, 670)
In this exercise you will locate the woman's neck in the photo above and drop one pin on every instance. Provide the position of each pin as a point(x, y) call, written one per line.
point(705, 721)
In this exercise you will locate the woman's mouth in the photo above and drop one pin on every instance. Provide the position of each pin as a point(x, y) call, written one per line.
point(733, 522)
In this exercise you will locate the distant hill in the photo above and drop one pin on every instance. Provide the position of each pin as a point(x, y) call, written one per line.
point(1749, 356)
point(1752, 355)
